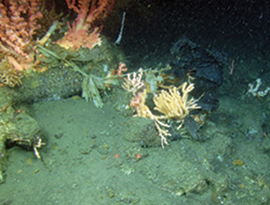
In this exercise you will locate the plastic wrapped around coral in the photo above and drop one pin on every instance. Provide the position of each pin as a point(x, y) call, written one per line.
point(90, 86)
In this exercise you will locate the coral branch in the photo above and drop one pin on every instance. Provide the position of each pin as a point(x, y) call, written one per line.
point(84, 32)
point(18, 22)
point(172, 104)
point(135, 83)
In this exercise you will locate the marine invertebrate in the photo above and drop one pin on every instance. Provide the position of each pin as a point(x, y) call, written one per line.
point(83, 32)
point(8, 75)
point(175, 105)
point(172, 104)
point(133, 84)
point(18, 24)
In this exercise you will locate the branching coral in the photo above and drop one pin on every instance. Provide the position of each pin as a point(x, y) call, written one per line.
point(8, 75)
point(172, 104)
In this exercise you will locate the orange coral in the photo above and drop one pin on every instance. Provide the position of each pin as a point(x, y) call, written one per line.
point(83, 32)
point(136, 101)
point(18, 22)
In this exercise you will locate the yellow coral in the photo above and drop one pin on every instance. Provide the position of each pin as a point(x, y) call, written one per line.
point(172, 104)
point(8, 75)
